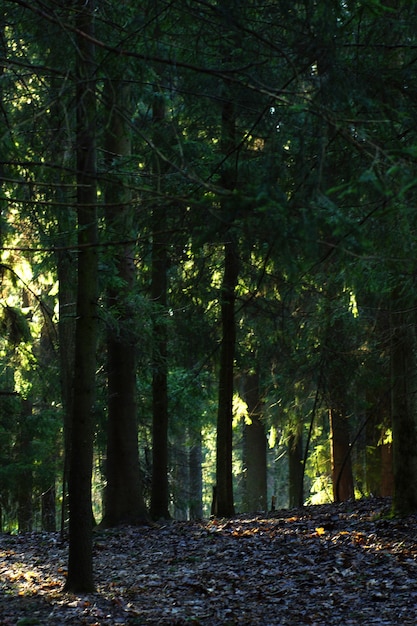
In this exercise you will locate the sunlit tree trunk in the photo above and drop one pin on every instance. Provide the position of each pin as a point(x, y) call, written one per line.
point(80, 558)
point(254, 448)
point(124, 502)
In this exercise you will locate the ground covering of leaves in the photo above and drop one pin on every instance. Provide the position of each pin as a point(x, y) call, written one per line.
point(321, 565)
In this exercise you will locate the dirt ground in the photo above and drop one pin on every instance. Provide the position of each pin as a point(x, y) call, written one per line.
point(321, 565)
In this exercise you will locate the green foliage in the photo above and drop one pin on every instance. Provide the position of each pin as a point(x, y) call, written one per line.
point(322, 211)
point(14, 325)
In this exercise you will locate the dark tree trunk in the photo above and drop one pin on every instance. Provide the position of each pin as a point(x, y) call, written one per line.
point(224, 502)
point(404, 411)
point(254, 449)
point(342, 476)
point(66, 333)
point(159, 487)
point(181, 475)
point(65, 258)
point(196, 478)
point(124, 502)
point(296, 470)
point(25, 475)
point(338, 346)
point(224, 473)
point(80, 558)
point(159, 286)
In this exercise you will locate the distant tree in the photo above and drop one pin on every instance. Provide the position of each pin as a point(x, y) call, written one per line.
point(124, 502)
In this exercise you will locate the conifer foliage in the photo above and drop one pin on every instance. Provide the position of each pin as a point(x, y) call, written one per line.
point(207, 260)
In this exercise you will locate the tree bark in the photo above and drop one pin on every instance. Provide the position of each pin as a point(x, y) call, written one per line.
point(196, 477)
point(255, 447)
point(296, 471)
point(159, 286)
point(337, 345)
point(80, 558)
point(25, 474)
point(224, 502)
point(224, 447)
point(124, 502)
point(342, 476)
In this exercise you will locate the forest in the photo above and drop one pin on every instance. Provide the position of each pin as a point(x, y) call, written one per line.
point(208, 262)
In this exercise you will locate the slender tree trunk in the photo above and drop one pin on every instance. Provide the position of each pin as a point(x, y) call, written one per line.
point(337, 345)
point(224, 504)
point(196, 478)
point(181, 475)
point(25, 474)
point(124, 502)
point(296, 470)
point(159, 286)
point(80, 559)
point(66, 333)
point(159, 487)
point(255, 447)
point(65, 259)
point(342, 476)
point(224, 449)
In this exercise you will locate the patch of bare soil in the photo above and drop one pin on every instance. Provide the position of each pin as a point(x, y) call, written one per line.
point(327, 565)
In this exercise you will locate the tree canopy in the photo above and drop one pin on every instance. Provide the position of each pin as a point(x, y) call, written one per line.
point(207, 227)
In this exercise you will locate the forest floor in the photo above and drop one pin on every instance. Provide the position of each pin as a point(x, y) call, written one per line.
point(320, 565)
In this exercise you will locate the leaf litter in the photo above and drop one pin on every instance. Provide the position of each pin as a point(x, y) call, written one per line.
point(319, 565)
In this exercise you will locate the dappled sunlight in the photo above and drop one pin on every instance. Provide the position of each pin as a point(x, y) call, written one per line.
point(346, 563)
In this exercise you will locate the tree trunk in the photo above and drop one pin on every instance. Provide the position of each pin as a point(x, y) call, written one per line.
point(159, 487)
point(255, 447)
point(80, 558)
point(296, 470)
point(124, 502)
point(159, 286)
point(66, 333)
point(342, 476)
point(25, 474)
point(338, 347)
point(224, 503)
point(181, 475)
point(404, 413)
point(196, 478)
point(224, 448)
point(65, 259)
